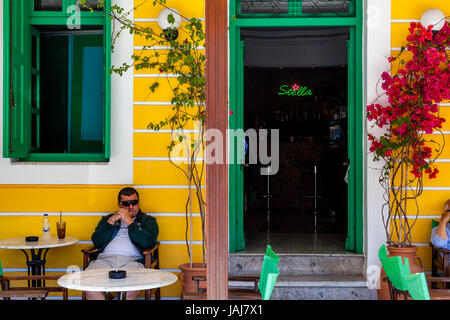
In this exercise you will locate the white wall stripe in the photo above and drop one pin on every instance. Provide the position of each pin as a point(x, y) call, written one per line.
point(183, 214)
point(164, 187)
point(164, 159)
point(161, 48)
point(404, 20)
point(65, 214)
point(153, 103)
point(200, 159)
point(430, 188)
point(162, 131)
point(441, 160)
point(194, 131)
point(436, 188)
point(156, 75)
point(421, 217)
point(88, 214)
point(436, 133)
point(156, 19)
point(178, 242)
point(164, 242)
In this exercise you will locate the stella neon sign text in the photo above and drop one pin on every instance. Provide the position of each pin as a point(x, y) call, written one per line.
point(294, 90)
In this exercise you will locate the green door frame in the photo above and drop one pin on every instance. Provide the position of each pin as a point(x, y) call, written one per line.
point(354, 240)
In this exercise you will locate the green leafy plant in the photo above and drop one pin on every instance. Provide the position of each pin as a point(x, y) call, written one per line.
point(181, 63)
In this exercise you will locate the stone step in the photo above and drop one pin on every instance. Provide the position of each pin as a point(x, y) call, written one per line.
point(322, 287)
point(318, 287)
point(299, 264)
point(309, 276)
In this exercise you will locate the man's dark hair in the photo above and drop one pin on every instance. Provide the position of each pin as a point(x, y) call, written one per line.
point(128, 191)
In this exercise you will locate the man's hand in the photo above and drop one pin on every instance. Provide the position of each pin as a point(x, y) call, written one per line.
point(441, 231)
point(445, 217)
point(114, 218)
point(125, 216)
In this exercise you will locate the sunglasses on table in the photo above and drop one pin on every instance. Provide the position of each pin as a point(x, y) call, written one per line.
point(127, 203)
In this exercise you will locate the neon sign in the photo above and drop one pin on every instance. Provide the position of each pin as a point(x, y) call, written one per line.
point(294, 90)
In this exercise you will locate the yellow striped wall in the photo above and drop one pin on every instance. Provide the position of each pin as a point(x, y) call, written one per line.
point(158, 179)
point(436, 191)
point(162, 187)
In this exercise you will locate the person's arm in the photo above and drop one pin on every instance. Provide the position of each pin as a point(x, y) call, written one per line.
point(441, 230)
point(145, 235)
point(103, 232)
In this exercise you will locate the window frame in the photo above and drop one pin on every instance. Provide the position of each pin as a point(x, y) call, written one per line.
point(36, 18)
point(355, 240)
point(294, 10)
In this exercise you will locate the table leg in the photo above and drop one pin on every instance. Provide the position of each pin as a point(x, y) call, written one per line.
point(36, 266)
point(122, 295)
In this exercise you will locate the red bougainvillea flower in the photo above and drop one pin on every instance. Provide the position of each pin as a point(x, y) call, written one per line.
point(413, 93)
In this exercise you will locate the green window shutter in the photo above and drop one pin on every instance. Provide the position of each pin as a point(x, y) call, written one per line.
point(18, 78)
point(107, 85)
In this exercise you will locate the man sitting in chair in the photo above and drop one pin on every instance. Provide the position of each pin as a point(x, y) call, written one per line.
point(121, 238)
point(440, 235)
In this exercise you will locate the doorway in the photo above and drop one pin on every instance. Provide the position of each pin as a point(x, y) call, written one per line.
point(295, 80)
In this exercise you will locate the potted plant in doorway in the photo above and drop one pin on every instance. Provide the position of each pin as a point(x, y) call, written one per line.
point(181, 63)
point(408, 121)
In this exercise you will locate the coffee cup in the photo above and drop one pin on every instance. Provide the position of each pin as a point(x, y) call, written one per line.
point(61, 229)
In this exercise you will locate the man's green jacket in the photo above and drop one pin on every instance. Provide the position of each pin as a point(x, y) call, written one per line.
point(143, 233)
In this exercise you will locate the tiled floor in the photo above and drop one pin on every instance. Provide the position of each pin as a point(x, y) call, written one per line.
point(296, 243)
point(293, 232)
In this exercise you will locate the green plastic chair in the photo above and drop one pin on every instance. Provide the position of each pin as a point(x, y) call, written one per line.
point(417, 286)
point(1, 269)
point(272, 255)
point(382, 252)
point(269, 257)
point(269, 273)
point(263, 284)
point(401, 279)
point(434, 223)
point(394, 268)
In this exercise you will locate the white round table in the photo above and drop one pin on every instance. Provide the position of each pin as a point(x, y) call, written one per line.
point(98, 280)
point(20, 243)
point(36, 263)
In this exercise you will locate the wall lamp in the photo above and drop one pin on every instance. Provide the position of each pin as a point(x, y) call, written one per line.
point(169, 28)
point(433, 17)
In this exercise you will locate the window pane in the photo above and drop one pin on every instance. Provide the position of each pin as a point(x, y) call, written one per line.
point(71, 95)
point(47, 5)
point(54, 93)
point(294, 7)
point(89, 5)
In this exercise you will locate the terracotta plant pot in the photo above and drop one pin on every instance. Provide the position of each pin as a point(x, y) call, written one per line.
point(187, 272)
point(408, 252)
